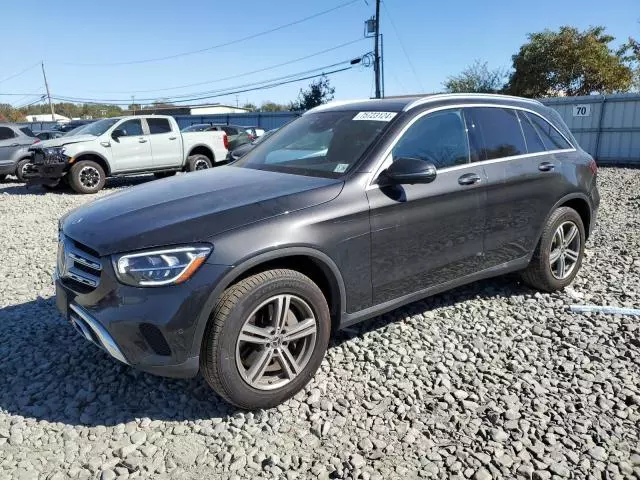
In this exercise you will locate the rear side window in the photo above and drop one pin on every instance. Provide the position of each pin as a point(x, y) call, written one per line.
point(6, 133)
point(550, 136)
point(500, 132)
point(158, 125)
point(531, 136)
point(439, 138)
point(27, 131)
point(230, 130)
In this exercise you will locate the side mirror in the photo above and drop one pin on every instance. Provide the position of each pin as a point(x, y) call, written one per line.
point(117, 133)
point(409, 170)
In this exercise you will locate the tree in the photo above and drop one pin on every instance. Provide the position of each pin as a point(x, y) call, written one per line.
point(319, 92)
point(270, 106)
point(477, 78)
point(250, 106)
point(630, 53)
point(568, 62)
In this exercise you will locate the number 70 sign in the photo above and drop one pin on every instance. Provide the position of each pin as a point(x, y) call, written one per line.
point(582, 110)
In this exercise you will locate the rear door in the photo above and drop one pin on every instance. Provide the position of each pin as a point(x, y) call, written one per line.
point(424, 235)
point(165, 145)
point(524, 175)
point(9, 143)
point(132, 151)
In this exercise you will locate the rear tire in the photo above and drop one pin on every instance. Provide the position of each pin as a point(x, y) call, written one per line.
point(253, 371)
point(198, 162)
point(86, 176)
point(3, 177)
point(21, 167)
point(558, 255)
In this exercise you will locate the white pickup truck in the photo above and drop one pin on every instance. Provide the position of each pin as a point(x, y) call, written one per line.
point(123, 146)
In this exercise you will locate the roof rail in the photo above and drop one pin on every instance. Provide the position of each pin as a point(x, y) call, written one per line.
point(444, 96)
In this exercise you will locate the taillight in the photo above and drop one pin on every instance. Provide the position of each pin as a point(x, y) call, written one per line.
point(251, 137)
point(36, 140)
point(593, 166)
point(225, 139)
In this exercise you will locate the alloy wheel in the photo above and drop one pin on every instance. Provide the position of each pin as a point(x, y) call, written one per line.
point(89, 177)
point(565, 250)
point(201, 165)
point(276, 342)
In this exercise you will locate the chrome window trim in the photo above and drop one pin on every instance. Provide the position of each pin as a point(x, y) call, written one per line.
point(386, 157)
point(444, 96)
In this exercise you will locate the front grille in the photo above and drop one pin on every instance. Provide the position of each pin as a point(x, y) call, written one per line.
point(76, 266)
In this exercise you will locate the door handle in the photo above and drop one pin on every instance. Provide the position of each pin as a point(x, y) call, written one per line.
point(142, 140)
point(172, 138)
point(469, 179)
point(546, 166)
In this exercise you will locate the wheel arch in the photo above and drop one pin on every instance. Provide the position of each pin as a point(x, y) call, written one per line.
point(318, 266)
point(580, 203)
point(94, 157)
point(202, 149)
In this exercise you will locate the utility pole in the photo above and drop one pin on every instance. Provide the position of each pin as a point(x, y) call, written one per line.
point(133, 104)
point(376, 53)
point(53, 115)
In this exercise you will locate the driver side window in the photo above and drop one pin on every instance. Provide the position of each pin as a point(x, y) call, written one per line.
point(439, 138)
point(131, 128)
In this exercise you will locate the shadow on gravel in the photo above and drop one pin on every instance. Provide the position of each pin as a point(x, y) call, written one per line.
point(14, 187)
point(48, 372)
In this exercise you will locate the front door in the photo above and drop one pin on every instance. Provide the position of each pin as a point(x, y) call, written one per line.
point(166, 147)
point(9, 143)
point(132, 150)
point(424, 235)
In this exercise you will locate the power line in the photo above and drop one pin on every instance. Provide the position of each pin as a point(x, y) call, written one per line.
point(18, 94)
point(404, 50)
point(263, 87)
point(232, 77)
point(179, 97)
point(31, 103)
point(220, 45)
point(20, 73)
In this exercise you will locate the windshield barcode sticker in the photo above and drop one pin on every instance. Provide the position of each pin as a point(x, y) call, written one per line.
point(376, 116)
point(341, 168)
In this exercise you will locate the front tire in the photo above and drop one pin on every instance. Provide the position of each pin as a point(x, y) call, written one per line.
point(558, 256)
point(198, 162)
point(21, 169)
point(3, 177)
point(265, 339)
point(86, 176)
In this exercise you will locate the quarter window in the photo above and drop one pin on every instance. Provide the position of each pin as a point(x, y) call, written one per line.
point(131, 128)
point(551, 138)
point(158, 125)
point(439, 138)
point(500, 132)
point(6, 133)
point(531, 136)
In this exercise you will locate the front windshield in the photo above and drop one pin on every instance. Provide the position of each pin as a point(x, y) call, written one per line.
point(96, 128)
point(325, 144)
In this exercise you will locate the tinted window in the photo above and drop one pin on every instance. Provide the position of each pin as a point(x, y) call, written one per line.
point(438, 138)
point(6, 133)
point(531, 137)
point(131, 128)
point(550, 136)
point(230, 130)
point(27, 131)
point(500, 132)
point(158, 125)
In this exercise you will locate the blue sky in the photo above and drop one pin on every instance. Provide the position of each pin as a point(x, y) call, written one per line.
point(440, 37)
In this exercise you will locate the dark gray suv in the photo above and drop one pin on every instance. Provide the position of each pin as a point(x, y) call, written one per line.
point(243, 271)
point(15, 157)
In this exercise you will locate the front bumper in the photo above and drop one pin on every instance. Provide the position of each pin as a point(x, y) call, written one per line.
point(46, 168)
point(151, 329)
point(7, 168)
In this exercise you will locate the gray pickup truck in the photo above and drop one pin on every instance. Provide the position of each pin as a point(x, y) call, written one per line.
point(15, 141)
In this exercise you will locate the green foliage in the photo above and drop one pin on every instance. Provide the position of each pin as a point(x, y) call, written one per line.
point(270, 106)
point(319, 92)
point(630, 53)
point(250, 106)
point(568, 62)
point(477, 78)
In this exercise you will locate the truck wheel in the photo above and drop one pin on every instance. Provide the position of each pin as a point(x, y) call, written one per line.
point(86, 177)
point(265, 339)
point(558, 256)
point(198, 162)
point(2, 178)
point(21, 168)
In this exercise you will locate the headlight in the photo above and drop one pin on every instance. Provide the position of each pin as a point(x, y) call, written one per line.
point(160, 267)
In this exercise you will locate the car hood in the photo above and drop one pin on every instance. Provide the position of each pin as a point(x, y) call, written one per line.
point(192, 207)
point(60, 141)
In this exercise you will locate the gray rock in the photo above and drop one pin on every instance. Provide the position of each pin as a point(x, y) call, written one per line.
point(482, 474)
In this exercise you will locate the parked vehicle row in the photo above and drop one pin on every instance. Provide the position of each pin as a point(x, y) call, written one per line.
point(15, 141)
point(123, 146)
point(242, 150)
point(236, 135)
point(351, 210)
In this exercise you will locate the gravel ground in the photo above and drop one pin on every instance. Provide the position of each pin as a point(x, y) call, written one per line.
point(492, 380)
